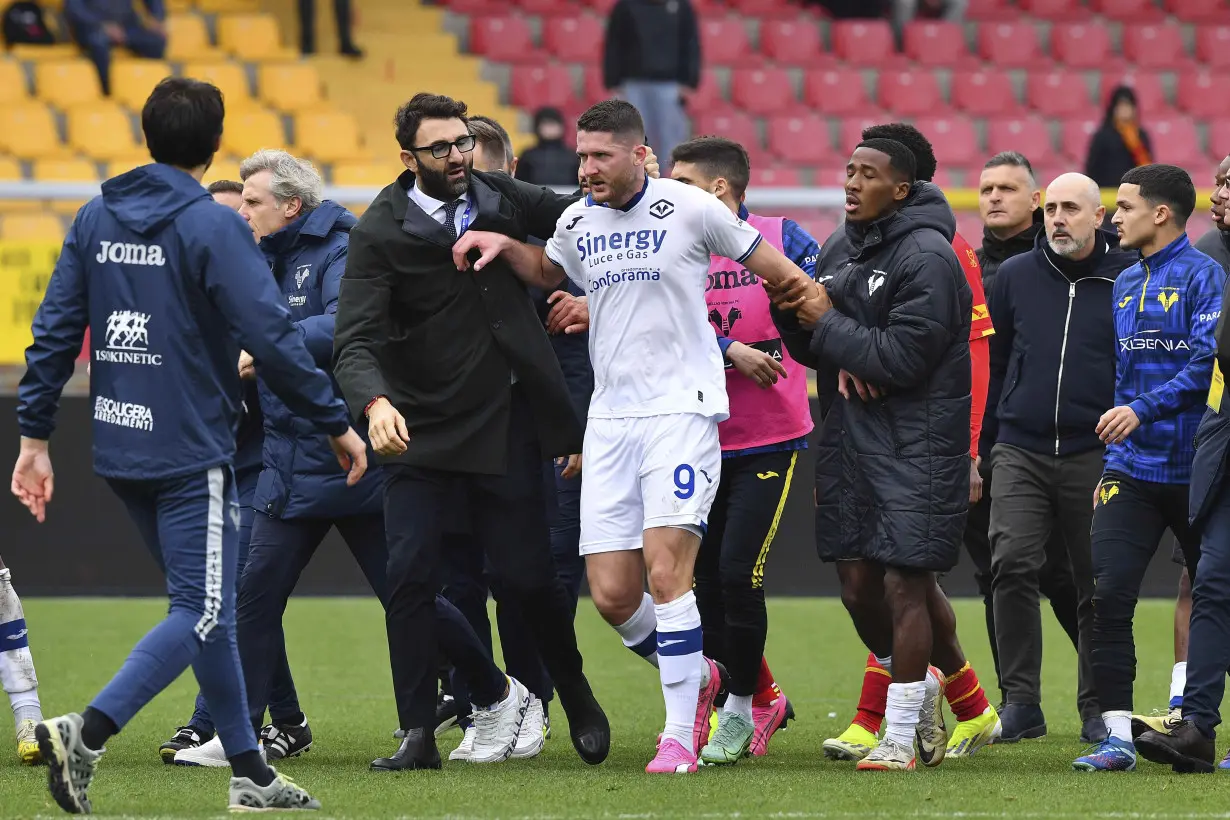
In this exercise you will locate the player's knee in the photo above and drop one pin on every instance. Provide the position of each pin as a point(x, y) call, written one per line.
point(667, 582)
point(615, 602)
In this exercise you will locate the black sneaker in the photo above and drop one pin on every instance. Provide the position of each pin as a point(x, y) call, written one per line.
point(282, 740)
point(1185, 748)
point(447, 712)
point(185, 737)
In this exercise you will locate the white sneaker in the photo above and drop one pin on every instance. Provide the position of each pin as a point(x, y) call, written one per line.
point(71, 764)
point(466, 748)
point(533, 735)
point(931, 733)
point(496, 728)
point(282, 794)
point(209, 754)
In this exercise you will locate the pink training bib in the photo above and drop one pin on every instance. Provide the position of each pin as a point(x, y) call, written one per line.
point(739, 309)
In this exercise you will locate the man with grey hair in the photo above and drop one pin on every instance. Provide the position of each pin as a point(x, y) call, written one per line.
point(1052, 306)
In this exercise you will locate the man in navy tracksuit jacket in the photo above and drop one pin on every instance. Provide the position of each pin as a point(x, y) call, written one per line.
point(1165, 309)
point(171, 285)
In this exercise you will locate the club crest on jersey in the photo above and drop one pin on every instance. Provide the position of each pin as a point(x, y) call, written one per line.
point(1167, 296)
point(619, 245)
point(301, 274)
point(662, 209)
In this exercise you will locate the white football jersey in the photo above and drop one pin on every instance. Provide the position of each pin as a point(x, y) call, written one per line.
point(644, 269)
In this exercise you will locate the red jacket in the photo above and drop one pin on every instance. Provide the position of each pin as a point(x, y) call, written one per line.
point(979, 346)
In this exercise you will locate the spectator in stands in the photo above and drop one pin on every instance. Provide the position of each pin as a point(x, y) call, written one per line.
point(1120, 144)
point(550, 162)
point(853, 9)
point(1217, 243)
point(100, 25)
point(345, 28)
point(651, 56)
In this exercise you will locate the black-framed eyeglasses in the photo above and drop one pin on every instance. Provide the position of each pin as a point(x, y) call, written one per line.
point(440, 150)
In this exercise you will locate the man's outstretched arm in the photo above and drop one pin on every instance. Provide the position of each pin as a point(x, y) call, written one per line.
point(529, 262)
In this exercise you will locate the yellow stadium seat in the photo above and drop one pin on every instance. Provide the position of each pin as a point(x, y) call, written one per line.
point(65, 83)
point(34, 54)
point(12, 82)
point(231, 80)
point(178, 5)
point(356, 208)
point(102, 131)
point(39, 226)
point(223, 168)
point(252, 37)
point(133, 80)
point(10, 169)
point(290, 87)
point(124, 164)
point(188, 39)
point(28, 131)
point(363, 174)
point(66, 207)
point(65, 170)
point(247, 132)
point(328, 136)
point(215, 6)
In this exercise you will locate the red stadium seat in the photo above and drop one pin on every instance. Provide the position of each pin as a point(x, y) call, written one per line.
point(1213, 45)
point(763, 91)
point(1175, 141)
point(1081, 45)
point(707, 95)
point(954, 139)
point(1057, 93)
point(909, 93)
point(985, 93)
point(1198, 226)
point(734, 125)
point(837, 91)
point(763, 9)
point(1028, 135)
point(1154, 47)
point(724, 41)
point(1218, 130)
point(491, 8)
point(1074, 138)
point(969, 225)
point(865, 43)
point(851, 134)
point(1129, 11)
point(1199, 11)
point(776, 176)
point(938, 44)
point(803, 140)
point(574, 39)
point(547, 8)
point(989, 10)
point(601, 7)
point(1199, 93)
point(820, 225)
point(951, 177)
point(1054, 10)
point(504, 39)
point(793, 42)
point(1009, 44)
point(535, 86)
point(1148, 87)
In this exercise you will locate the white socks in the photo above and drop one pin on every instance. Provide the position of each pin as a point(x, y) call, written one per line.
point(16, 664)
point(640, 632)
point(1178, 682)
point(1119, 725)
point(905, 701)
point(680, 663)
point(740, 705)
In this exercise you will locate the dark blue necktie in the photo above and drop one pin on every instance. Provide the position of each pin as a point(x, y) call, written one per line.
point(450, 218)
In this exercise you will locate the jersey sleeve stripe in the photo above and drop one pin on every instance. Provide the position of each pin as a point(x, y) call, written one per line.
point(751, 250)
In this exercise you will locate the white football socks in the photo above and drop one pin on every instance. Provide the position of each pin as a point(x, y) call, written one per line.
point(1119, 725)
point(904, 704)
point(740, 705)
point(640, 632)
point(1178, 682)
point(16, 664)
point(679, 663)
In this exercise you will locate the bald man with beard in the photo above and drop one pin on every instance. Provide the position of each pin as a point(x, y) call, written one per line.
point(1053, 367)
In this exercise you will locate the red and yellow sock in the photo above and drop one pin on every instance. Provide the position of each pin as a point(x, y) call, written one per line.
point(874, 696)
point(965, 695)
point(767, 689)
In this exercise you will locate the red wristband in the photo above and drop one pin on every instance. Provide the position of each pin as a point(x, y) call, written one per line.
point(370, 403)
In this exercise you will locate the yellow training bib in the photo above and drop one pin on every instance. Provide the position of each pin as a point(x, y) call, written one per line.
point(1216, 388)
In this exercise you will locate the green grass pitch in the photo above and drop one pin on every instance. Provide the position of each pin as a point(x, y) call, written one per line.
point(340, 661)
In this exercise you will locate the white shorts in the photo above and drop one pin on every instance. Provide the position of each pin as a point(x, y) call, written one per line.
point(640, 473)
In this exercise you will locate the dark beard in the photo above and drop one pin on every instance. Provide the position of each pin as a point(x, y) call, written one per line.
point(437, 185)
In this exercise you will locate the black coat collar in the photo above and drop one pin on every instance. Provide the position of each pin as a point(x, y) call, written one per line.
point(417, 223)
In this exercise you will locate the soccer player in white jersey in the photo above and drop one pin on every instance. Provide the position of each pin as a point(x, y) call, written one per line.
point(640, 247)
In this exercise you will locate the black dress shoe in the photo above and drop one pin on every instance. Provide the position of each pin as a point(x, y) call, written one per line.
point(587, 723)
point(1186, 749)
point(1093, 731)
point(417, 751)
point(1021, 721)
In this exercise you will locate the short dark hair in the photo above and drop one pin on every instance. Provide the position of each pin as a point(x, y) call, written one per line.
point(613, 117)
point(900, 158)
point(924, 154)
point(1011, 159)
point(225, 186)
point(424, 106)
point(493, 140)
point(717, 157)
point(1166, 185)
point(182, 121)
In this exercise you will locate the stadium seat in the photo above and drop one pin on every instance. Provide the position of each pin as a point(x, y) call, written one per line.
point(188, 39)
point(220, 6)
point(504, 39)
point(793, 42)
point(1028, 135)
point(990, 10)
point(533, 86)
point(252, 38)
point(821, 226)
point(724, 41)
point(954, 176)
point(546, 8)
point(290, 87)
point(1213, 45)
point(954, 139)
point(733, 125)
point(937, 44)
point(23, 53)
point(574, 39)
point(133, 80)
point(1074, 137)
point(910, 93)
point(1081, 45)
point(1054, 10)
point(969, 226)
point(602, 7)
point(64, 170)
point(1199, 94)
point(1199, 11)
point(763, 91)
point(1150, 94)
point(102, 131)
point(40, 227)
point(1217, 126)
point(10, 169)
point(368, 174)
point(1057, 93)
point(230, 79)
point(328, 136)
point(1175, 141)
point(28, 131)
point(776, 176)
point(1154, 47)
point(1009, 44)
point(1198, 227)
point(123, 166)
point(479, 8)
point(866, 43)
point(803, 140)
point(837, 91)
point(1129, 11)
point(707, 95)
point(222, 168)
point(64, 83)
point(763, 9)
point(12, 83)
point(249, 131)
point(984, 93)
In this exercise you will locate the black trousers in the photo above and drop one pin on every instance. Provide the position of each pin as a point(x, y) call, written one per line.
point(1054, 579)
point(729, 574)
point(307, 25)
point(1128, 523)
point(509, 523)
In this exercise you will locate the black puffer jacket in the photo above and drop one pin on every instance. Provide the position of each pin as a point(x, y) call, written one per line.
point(892, 475)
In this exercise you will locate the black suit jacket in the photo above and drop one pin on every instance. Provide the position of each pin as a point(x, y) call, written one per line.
point(442, 344)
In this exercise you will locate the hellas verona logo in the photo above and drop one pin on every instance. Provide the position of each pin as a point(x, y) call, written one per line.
point(301, 274)
point(662, 209)
point(875, 280)
point(128, 340)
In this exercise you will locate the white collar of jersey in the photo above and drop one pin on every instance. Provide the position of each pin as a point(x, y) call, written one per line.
point(429, 204)
point(631, 203)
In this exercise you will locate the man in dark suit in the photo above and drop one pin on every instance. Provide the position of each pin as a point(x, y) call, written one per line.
point(461, 390)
